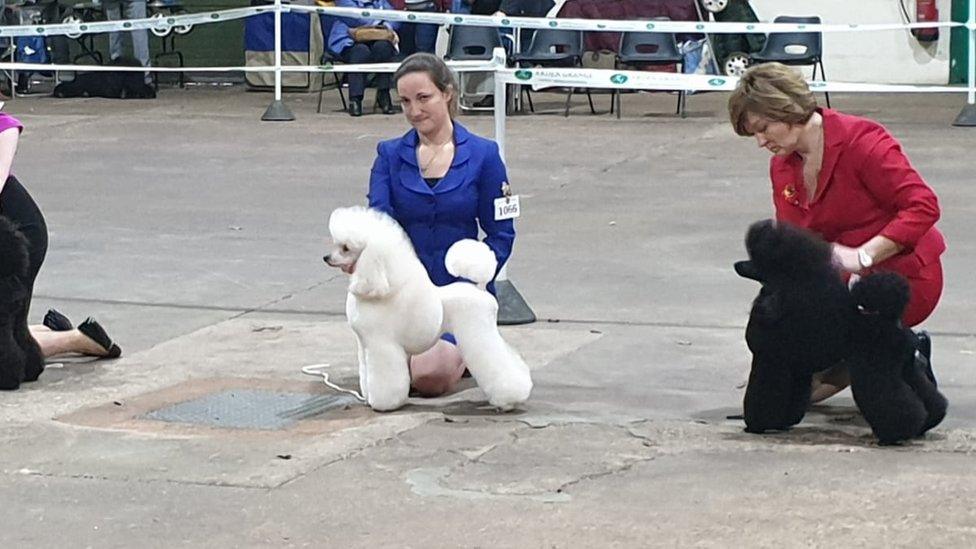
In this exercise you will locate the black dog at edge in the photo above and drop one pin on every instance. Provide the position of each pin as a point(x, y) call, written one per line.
point(110, 84)
point(20, 357)
point(805, 320)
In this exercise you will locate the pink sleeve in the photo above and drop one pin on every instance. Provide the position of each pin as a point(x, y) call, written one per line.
point(7, 122)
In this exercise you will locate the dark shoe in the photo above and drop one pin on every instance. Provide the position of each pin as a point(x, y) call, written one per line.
point(96, 333)
point(384, 102)
point(487, 102)
point(923, 346)
point(57, 322)
point(355, 107)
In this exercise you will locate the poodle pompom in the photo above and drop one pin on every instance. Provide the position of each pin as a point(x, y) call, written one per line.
point(886, 294)
point(472, 260)
point(13, 250)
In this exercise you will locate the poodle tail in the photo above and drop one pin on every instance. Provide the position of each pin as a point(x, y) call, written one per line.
point(886, 294)
point(472, 260)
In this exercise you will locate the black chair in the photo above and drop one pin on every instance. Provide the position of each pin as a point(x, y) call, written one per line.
point(468, 43)
point(329, 58)
point(649, 48)
point(161, 8)
point(554, 48)
point(794, 48)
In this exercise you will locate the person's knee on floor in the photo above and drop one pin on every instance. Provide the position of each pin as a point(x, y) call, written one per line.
point(437, 370)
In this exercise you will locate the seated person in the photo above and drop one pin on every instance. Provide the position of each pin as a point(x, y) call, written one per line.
point(341, 43)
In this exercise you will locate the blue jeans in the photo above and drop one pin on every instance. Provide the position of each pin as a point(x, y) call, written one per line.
point(418, 37)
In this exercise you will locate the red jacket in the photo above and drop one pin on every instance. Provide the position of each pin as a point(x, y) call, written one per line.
point(867, 187)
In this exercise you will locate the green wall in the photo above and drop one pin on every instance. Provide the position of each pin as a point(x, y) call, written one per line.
point(959, 46)
point(213, 44)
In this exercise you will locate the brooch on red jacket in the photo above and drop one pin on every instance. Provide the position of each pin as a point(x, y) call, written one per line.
point(790, 195)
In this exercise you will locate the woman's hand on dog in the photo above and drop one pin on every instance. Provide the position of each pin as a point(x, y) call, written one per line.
point(845, 258)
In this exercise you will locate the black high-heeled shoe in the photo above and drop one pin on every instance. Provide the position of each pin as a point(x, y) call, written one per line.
point(355, 107)
point(384, 102)
point(57, 322)
point(94, 331)
point(923, 346)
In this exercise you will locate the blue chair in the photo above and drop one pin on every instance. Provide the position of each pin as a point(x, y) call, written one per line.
point(649, 48)
point(794, 48)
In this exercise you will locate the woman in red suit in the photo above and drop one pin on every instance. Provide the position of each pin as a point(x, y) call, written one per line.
point(847, 179)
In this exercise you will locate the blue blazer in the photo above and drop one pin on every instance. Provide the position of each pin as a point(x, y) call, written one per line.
point(339, 38)
point(460, 202)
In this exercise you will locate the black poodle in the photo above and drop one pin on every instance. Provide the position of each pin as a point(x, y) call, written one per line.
point(20, 357)
point(888, 378)
point(800, 322)
point(110, 84)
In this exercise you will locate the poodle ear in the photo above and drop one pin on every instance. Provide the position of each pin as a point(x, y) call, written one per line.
point(747, 269)
point(370, 279)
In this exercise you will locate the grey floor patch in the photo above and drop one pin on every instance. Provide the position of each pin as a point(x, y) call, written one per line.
point(251, 409)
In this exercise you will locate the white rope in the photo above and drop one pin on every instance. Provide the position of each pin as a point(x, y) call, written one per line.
point(319, 370)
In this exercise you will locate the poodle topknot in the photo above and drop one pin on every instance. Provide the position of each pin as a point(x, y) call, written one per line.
point(783, 250)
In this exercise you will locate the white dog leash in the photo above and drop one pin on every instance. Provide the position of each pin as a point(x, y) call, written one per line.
point(319, 370)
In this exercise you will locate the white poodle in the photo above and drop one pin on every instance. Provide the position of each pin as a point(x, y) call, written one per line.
point(396, 311)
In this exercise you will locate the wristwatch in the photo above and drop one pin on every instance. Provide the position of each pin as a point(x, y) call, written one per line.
point(864, 258)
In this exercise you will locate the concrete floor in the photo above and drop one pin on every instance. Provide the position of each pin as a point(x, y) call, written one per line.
point(194, 233)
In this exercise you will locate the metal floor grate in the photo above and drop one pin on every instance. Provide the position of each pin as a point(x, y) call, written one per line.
point(251, 409)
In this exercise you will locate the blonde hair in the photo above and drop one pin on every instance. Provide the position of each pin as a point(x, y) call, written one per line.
point(773, 91)
point(440, 74)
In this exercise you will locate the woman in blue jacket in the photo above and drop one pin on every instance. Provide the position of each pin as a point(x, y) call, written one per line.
point(350, 51)
point(439, 181)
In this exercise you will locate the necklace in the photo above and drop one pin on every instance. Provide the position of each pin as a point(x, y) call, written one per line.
point(433, 157)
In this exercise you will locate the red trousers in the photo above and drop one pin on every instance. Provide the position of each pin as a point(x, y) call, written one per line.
point(926, 288)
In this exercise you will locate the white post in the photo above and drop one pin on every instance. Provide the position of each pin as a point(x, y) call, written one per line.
point(501, 101)
point(277, 27)
point(971, 30)
point(512, 308)
point(967, 116)
point(277, 111)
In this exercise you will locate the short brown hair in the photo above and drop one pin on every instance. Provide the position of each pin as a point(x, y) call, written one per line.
point(440, 74)
point(773, 91)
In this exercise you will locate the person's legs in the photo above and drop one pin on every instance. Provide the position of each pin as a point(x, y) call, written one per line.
point(437, 370)
point(425, 37)
point(59, 343)
point(136, 9)
point(113, 12)
point(926, 290)
point(354, 55)
point(408, 38)
point(381, 51)
point(829, 382)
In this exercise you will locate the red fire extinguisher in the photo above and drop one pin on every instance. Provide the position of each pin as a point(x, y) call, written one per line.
point(926, 12)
